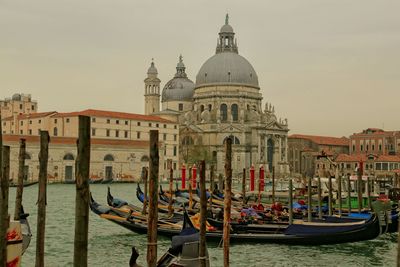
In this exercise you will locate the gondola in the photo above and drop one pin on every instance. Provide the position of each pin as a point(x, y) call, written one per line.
point(96, 181)
point(120, 203)
point(299, 233)
point(26, 183)
point(184, 250)
point(107, 181)
point(18, 239)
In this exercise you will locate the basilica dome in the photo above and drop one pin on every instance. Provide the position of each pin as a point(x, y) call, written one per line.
point(227, 67)
point(179, 88)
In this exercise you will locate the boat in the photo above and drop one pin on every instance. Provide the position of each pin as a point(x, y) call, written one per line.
point(135, 210)
point(184, 250)
point(95, 181)
point(26, 183)
point(107, 181)
point(18, 239)
point(298, 233)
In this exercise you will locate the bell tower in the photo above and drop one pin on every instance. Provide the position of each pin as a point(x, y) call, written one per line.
point(152, 91)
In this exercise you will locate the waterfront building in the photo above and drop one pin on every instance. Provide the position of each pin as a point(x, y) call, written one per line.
point(17, 104)
point(121, 160)
point(304, 149)
point(375, 141)
point(119, 140)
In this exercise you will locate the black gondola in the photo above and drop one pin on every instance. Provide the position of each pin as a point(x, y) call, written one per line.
point(184, 250)
point(299, 233)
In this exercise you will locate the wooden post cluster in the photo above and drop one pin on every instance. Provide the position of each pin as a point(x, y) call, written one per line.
point(42, 198)
point(20, 188)
point(4, 217)
point(319, 199)
point(309, 199)
point(82, 193)
point(203, 214)
point(227, 199)
point(145, 180)
point(152, 218)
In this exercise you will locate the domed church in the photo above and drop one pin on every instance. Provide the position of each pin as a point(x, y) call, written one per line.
point(224, 102)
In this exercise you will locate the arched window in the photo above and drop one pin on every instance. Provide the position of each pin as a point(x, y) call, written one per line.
point(144, 158)
point(55, 131)
point(68, 156)
point(235, 140)
point(234, 111)
point(224, 112)
point(201, 108)
point(209, 107)
point(108, 157)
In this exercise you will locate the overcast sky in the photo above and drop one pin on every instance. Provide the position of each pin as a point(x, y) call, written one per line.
point(330, 67)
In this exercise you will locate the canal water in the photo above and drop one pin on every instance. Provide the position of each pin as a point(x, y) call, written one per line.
point(110, 244)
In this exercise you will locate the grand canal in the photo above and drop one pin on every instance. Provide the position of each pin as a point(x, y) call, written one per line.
point(110, 245)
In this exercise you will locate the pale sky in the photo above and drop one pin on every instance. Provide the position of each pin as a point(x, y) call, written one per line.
point(330, 67)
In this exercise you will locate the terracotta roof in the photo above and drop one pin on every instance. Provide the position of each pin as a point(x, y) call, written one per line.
point(323, 140)
point(388, 158)
point(375, 131)
point(351, 158)
point(113, 114)
point(31, 115)
point(72, 141)
point(364, 157)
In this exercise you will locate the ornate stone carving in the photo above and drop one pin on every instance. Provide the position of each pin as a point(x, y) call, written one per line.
point(205, 116)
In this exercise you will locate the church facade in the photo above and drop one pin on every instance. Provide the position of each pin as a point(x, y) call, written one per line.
point(225, 101)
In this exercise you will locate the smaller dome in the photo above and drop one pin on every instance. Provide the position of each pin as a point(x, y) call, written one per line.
point(180, 88)
point(16, 97)
point(226, 29)
point(152, 69)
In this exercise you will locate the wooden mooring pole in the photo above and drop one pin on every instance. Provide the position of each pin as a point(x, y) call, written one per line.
point(359, 186)
point(309, 199)
point(4, 217)
point(273, 184)
point(152, 218)
point(82, 193)
point(319, 199)
point(244, 186)
point(227, 199)
point(42, 198)
point(145, 172)
point(290, 201)
point(369, 193)
point(339, 181)
point(203, 214)
point(21, 173)
point(330, 208)
point(171, 181)
point(211, 185)
point(349, 195)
